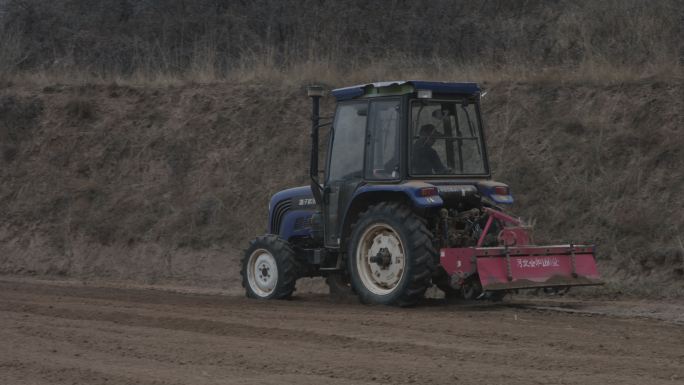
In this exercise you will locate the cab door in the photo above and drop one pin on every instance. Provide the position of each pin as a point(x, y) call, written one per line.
point(345, 165)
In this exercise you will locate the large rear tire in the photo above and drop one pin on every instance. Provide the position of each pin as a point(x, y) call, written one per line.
point(391, 256)
point(269, 268)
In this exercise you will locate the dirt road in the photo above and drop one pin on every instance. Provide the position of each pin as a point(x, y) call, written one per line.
point(63, 334)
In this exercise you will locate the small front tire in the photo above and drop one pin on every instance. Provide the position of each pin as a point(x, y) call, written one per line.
point(269, 268)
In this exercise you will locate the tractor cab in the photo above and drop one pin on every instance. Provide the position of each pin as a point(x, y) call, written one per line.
point(391, 137)
point(404, 201)
point(414, 129)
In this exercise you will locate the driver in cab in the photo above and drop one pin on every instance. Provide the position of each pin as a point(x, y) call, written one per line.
point(425, 159)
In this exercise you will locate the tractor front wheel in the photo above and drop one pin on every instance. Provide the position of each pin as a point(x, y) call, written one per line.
point(269, 268)
point(391, 256)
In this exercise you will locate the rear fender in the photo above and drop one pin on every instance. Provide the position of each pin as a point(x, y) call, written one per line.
point(368, 195)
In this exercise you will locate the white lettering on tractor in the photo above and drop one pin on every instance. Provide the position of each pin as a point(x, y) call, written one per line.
point(306, 201)
point(531, 263)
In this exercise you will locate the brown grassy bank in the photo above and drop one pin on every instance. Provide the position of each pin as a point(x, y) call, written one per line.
point(167, 183)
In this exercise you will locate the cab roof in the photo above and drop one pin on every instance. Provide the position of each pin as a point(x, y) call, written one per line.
point(401, 87)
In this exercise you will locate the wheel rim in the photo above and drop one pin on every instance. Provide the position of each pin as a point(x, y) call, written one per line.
point(262, 272)
point(380, 240)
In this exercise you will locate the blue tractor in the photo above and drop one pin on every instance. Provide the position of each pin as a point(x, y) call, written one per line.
point(405, 201)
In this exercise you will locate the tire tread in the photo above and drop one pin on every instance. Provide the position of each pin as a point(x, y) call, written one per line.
point(289, 266)
point(419, 250)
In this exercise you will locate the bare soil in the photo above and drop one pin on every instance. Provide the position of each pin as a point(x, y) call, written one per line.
point(60, 333)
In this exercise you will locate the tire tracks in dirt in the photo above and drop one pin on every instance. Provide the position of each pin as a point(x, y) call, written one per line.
point(162, 337)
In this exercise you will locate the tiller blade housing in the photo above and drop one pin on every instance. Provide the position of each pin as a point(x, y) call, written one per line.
point(517, 265)
point(521, 267)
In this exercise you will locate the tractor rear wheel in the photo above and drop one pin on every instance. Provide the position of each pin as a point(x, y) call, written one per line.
point(391, 256)
point(269, 268)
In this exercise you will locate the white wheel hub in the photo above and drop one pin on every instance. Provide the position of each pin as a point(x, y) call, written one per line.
point(262, 272)
point(380, 259)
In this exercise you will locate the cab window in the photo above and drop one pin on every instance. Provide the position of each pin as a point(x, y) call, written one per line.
point(383, 140)
point(349, 134)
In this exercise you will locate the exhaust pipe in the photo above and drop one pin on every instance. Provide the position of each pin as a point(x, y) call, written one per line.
point(315, 93)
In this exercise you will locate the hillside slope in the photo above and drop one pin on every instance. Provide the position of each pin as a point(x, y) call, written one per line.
point(168, 183)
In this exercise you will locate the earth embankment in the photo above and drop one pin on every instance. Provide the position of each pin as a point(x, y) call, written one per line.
point(168, 183)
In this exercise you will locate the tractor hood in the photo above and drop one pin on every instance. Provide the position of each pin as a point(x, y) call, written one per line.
point(287, 207)
point(302, 197)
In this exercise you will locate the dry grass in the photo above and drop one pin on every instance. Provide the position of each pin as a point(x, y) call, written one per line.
point(327, 73)
point(340, 42)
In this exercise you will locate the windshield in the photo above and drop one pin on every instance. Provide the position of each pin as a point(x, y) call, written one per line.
point(445, 139)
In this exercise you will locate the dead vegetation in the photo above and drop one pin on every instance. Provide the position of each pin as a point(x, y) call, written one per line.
point(162, 41)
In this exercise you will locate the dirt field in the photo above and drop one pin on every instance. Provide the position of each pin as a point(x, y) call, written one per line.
point(56, 333)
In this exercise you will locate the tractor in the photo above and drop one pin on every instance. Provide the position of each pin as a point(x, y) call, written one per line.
point(405, 201)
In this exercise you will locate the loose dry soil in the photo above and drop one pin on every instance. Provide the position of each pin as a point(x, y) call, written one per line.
point(62, 333)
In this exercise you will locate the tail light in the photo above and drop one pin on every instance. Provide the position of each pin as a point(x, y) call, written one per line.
point(428, 192)
point(502, 190)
